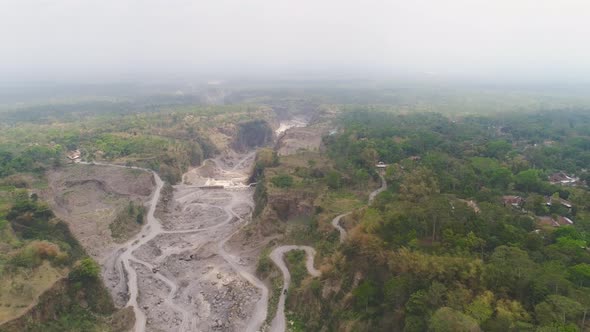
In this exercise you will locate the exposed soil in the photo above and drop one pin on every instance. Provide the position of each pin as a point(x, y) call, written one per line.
point(294, 123)
point(182, 271)
point(296, 136)
point(177, 274)
point(89, 197)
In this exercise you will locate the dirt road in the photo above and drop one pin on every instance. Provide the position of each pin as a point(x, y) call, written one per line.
point(336, 224)
point(278, 323)
point(176, 273)
point(372, 195)
point(259, 314)
point(125, 257)
point(379, 190)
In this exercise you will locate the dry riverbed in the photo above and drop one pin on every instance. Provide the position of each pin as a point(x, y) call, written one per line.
point(177, 273)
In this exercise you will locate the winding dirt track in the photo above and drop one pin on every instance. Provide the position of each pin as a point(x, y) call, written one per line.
point(336, 224)
point(259, 314)
point(124, 259)
point(279, 322)
point(126, 264)
point(379, 190)
point(148, 232)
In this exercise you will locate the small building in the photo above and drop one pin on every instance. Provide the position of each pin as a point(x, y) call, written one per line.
point(514, 201)
point(381, 165)
point(564, 221)
point(547, 221)
point(554, 222)
point(549, 200)
point(562, 178)
point(472, 204)
point(74, 155)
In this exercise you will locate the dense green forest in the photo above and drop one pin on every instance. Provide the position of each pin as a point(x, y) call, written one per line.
point(470, 235)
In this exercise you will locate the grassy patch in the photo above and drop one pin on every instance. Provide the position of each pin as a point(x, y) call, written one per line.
point(266, 269)
point(303, 170)
point(282, 181)
point(295, 260)
point(6, 193)
point(39, 182)
point(136, 172)
point(294, 324)
point(306, 159)
point(339, 201)
point(273, 299)
point(77, 319)
point(128, 222)
point(20, 288)
point(265, 265)
point(73, 305)
point(303, 230)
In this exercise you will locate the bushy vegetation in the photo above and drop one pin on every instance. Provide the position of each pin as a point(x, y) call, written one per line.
point(282, 181)
point(166, 134)
point(85, 269)
point(128, 221)
point(33, 159)
point(48, 238)
point(166, 143)
point(295, 260)
point(40, 239)
point(251, 134)
point(440, 250)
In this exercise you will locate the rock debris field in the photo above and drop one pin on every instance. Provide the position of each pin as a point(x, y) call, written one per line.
point(176, 273)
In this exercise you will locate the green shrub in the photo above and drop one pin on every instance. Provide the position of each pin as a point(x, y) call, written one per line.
point(85, 269)
point(334, 180)
point(264, 264)
point(282, 181)
point(35, 252)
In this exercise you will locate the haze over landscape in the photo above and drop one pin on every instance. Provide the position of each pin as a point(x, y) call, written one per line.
point(111, 40)
point(294, 166)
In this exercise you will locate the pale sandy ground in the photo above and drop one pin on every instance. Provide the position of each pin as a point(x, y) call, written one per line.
point(88, 198)
point(177, 273)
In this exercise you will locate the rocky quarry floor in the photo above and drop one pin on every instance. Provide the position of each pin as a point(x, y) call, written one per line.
point(177, 273)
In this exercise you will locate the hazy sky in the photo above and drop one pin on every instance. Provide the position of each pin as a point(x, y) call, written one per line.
point(82, 39)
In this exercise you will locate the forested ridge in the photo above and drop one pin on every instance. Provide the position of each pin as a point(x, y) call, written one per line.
point(470, 235)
